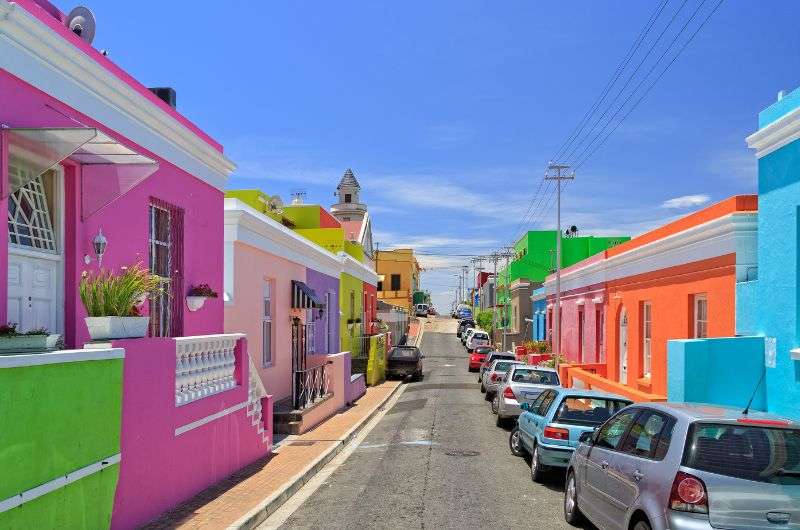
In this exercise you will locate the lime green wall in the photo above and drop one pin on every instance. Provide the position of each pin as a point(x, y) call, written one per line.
point(331, 239)
point(57, 418)
point(349, 284)
point(255, 199)
point(355, 250)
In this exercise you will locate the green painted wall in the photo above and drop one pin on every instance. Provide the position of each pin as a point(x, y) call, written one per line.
point(347, 332)
point(331, 239)
point(55, 419)
point(355, 250)
point(255, 199)
point(303, 216)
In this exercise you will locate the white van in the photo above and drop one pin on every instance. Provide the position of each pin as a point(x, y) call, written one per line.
point(478, 338)
point(421, 310)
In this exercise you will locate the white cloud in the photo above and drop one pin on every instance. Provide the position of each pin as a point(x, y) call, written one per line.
point(686, 201)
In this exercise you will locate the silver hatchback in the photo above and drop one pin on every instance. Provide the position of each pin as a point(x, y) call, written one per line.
point(521, 384)
point(682, 466)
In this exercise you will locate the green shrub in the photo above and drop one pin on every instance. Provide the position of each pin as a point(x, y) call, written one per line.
point(108, 294)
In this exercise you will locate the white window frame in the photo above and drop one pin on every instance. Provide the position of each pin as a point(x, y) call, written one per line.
point(266, 324)
point(647, 339)
point(700, 299)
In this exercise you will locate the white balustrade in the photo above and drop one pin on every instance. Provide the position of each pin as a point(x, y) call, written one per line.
point(204, 365)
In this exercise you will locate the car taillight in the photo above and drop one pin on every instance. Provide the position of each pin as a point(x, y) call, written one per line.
point(556, 433)
point(508, 393)
point(493, 377)
point(688, 494)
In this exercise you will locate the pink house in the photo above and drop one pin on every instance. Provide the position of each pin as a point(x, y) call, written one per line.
point(282, 290)
point(88, 154)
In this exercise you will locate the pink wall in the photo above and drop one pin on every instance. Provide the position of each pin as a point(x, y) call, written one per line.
point(572, 304)
point(125, 221)
point(251, 268)
point(159, 469)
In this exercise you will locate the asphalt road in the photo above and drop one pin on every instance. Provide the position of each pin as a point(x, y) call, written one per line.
point(435, 460)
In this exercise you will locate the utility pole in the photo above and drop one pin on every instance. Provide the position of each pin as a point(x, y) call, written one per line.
point(464, 272)
point(507, 253)
point(560, 175)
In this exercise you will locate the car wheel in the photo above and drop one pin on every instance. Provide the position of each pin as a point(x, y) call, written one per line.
point(489, 396)
point(537, 469)
point(515, 443)
point(572, 514)
point(496, 403)
point(501, 421)
point(483, 389)
point(642, 525)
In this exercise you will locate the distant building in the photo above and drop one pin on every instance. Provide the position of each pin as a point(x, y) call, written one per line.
point(353, 214)
point(398, 276)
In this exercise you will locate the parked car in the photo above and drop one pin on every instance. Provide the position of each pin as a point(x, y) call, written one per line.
point(421, 310)
point(478, 356)
point(491, 357)
point(463, 325)
point(478, 338)
point(522, 384)
point(466, 335)
point(405, 362)
point(464, 313)
point(549, 428)
point(432, 311)
point(493, 376)
point(682, 466)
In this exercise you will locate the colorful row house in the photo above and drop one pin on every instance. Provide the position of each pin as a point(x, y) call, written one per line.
point(762, 363)
point(96, 171)
point(620, 307)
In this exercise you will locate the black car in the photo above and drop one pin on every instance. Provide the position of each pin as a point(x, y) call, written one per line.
point(405, 361)
point(464, 324)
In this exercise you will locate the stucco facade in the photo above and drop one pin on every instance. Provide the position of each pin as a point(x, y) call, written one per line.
point(397, 268)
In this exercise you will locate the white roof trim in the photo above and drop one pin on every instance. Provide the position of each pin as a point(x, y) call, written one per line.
point(777, 134)
point(355, 268)
point(33, 52)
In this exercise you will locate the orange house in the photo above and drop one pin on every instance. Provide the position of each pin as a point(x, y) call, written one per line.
point(675, 282)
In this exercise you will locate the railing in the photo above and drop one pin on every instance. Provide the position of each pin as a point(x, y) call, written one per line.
point(204, 365)
point(313, 384)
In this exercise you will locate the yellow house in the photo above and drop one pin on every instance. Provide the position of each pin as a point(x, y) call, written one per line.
point(398, 276)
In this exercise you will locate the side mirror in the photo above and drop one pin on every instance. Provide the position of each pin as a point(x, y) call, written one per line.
point(525, 406)
point(586, 437)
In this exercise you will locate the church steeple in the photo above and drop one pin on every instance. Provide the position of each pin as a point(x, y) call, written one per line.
point(348, 206)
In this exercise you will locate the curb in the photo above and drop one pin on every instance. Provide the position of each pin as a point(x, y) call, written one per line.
point(269, 505)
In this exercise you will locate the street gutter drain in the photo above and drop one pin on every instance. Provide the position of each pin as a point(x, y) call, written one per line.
point(461, 452)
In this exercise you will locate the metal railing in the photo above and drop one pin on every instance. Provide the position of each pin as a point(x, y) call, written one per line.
point(313, 384)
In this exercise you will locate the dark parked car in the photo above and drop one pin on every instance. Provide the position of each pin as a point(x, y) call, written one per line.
point(405, 361)
point(464, 324)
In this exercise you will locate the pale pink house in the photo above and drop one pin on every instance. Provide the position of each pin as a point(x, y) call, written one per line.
point(85, 149)
point(282, 289)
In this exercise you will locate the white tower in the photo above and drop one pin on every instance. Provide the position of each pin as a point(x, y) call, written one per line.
point(348, 207)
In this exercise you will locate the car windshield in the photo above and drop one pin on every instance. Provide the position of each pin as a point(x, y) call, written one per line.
point(404, 353)
point(502, 366)
point(591, 411)
point(502, 356)
point(534, 376)
point(749, 452)
point(480, 336)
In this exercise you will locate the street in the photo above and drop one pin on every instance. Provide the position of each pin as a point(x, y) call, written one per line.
point(435, 460)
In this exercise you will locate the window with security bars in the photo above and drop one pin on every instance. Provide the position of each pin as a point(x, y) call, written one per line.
point(700, 316)
point(30, 224)
point(166, 262)
point(311, 328)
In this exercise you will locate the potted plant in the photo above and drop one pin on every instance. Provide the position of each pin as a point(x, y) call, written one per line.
point(112, 300)
point(34, 341)
point(197, 296)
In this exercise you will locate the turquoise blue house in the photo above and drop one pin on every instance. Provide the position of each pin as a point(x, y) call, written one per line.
point(767, 351)
point(539, 314)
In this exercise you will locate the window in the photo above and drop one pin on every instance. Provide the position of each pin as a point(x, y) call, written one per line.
point(647, 338)
point(161, 266)
point(533, 376)
point(266, 326)
point(311, 330)
point(30, 222)
point(395, 282)
point(380, 285)
point(544, 406)
point(348, 197)
point(700, 316)
point(612, 431)
point(587, 410)
point(649, 436)
point(534, 406)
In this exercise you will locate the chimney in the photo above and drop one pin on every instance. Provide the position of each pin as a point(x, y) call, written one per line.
point(166, 94)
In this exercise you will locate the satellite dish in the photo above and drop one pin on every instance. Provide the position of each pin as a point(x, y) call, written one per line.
point(275, 204)
point(80, 21)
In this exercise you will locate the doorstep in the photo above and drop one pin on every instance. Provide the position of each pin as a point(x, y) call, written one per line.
point(286, 420)
point(248, 497)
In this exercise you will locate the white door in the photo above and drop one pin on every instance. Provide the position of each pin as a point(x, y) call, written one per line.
point(34, 258)
point(623, 347)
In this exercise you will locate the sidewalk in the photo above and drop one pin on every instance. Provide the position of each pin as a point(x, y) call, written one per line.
point(248, 497)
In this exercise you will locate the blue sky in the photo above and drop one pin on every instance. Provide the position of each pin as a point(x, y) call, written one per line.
point(448, 111)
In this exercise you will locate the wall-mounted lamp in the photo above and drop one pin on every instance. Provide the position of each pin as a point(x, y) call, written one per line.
point(99, 244)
